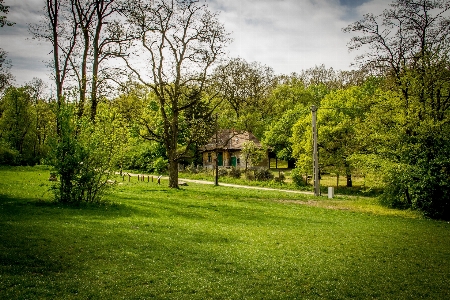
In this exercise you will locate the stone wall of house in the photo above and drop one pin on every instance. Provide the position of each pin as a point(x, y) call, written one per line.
point(209, 160)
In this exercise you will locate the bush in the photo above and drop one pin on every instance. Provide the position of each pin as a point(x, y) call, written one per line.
point(297, 177)
point(418, 187)
point(191, 169)
point(84, 155)
point(235, 173)
point(281, 178)
point(223, 172)
point(8, 156)
point(160, 165)
point(263, 175)
point(249, 176)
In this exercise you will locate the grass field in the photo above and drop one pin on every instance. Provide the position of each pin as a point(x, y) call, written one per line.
point(206, 242)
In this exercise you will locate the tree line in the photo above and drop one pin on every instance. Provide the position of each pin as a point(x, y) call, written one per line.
point(139, 84)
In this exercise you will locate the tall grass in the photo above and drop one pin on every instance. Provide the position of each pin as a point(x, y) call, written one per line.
point(204, 242)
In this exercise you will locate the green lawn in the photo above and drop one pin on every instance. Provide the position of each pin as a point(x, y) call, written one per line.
point(206, 242)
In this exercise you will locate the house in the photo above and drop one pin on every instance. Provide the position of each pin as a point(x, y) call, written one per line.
point(229, 149)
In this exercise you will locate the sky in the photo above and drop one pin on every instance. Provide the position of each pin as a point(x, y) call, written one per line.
point(287, 35)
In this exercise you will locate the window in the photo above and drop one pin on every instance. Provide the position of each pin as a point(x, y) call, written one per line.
point(209, 157)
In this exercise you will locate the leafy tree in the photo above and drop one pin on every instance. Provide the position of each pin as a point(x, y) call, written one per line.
point(251, 154)
point(245, 89)
point(292, 101)
point(181, 40)
point(339, 115)
point(408, 43)
point(16, 122)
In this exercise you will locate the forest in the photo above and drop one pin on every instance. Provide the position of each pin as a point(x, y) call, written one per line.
point(143, 84)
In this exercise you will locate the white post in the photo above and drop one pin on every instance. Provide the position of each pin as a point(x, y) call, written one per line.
point(330, 192)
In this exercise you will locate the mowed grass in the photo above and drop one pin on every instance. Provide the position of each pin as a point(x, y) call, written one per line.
point(206, 242)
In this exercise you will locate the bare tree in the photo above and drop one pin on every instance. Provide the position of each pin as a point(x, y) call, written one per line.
point(412, 35)
point(181, 41)
point(5, 65)
point(57, 27)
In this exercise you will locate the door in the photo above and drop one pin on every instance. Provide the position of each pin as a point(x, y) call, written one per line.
point(220, 159)
point(233, 161)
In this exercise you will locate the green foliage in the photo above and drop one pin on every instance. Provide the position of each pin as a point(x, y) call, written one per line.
point(26, 123)
point(159, 165)
point(8, 156)
point(223, 172)
point(85, 154)
point(263, 174)
point(407, 128)
point(251, 154)
point(297, 177)
point(235, 173)
point(16, 124)
point(142, 155)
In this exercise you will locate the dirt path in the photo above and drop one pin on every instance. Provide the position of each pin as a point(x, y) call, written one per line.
point(228, 184)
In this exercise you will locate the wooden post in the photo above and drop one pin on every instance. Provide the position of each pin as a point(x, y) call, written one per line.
point(315, 152)
point(216, 177)
point(138, 178)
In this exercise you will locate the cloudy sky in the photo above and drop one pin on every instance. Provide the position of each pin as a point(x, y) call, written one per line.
point(287, 35)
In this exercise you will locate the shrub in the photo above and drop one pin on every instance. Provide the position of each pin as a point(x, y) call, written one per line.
point(297, 177)
point(281, 178)
point(249, 176)
point(223, 172)
point(426, 189)
point(263, 175)
point(235, 173)
point(159, 165)
point(84, 155)
point(191, 169)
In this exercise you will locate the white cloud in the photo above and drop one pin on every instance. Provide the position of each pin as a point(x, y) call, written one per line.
point(27, 55)
point(287, 35)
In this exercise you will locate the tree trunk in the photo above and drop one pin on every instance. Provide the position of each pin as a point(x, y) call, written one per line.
point(83, 83)
point(96, 59)
point(349, 180)
point(173, 173)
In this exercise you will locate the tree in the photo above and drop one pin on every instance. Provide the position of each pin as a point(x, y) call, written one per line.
point(97, 46)
point(252, 154)
point(83, 151)
point(245, 89)
point(16, 123)
point(408, 43)
point(5, 74)
point(181, 41)
point(292, 101)
point(44, 118)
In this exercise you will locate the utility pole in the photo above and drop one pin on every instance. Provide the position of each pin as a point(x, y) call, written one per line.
point(315, 152)
point(216, 178)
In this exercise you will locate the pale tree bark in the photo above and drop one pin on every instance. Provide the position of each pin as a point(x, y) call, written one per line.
point(181, 40)
point(57, 28)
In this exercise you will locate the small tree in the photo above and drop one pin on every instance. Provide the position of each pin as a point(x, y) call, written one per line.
point(85, 155)
point(252, 154)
